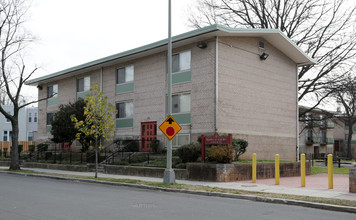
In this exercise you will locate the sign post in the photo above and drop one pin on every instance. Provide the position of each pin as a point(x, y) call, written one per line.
point(169, 176)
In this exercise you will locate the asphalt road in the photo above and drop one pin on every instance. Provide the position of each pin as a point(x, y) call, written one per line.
point(23, 197)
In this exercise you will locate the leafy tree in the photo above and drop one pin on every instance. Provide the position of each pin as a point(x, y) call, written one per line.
point(324, 29)
point(99, 120)
point(63, 128)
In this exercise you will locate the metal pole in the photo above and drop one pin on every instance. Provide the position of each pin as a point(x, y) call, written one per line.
point(169, 176)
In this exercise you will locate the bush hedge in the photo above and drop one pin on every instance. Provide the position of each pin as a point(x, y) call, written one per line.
point(221, 153)
point(189, 152)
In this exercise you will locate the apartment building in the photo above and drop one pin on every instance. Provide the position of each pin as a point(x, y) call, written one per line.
point(321, 133)
point(225, 80)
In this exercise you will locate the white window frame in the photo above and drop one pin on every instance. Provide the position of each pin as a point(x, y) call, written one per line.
point(179, 104)
point(6, 119)
point(28, 135)
point(86, 83)
point(8, 135)
point(175, 141)
point(125, 102)
point(181, 68)
point(54, 91)
point(35, 118)
point(126, 74)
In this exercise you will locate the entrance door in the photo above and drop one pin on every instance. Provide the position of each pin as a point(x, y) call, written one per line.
point(148, 133)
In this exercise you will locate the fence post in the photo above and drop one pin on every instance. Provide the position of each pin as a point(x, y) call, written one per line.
point(70, 156)
point(55, 153)
point(330, 171)
point(254, 167)
point(302, 170)
point(276, 169)
point(81, 157)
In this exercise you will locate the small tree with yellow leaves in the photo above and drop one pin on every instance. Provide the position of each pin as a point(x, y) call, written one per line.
point(99, 120)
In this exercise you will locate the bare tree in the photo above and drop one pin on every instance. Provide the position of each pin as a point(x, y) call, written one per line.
point(324, 29)
point(345, 94)
point(13, 72)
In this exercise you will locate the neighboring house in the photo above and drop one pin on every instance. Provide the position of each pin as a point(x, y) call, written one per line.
point(222, 82)
point(28, 118)
point(345, 133)
point(321, 133)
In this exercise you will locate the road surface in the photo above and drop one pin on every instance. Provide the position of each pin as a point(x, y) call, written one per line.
point(24, 197)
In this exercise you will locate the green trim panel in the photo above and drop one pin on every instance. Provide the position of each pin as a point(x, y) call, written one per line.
point(52, 101)
point(124, 123)
point(48, 128)
point(124, 88)
point(330, 140)
point(82, 94)
point(316, 140)
point(181, 77)
point(182, 118)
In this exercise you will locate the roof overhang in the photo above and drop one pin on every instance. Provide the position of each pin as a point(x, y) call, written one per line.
point(273, 36)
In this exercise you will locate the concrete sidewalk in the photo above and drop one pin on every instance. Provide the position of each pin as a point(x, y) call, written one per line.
point(316, 185)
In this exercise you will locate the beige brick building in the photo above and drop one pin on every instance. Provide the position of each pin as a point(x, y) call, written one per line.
point(220, 84)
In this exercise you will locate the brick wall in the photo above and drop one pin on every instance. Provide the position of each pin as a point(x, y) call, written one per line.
point(238, 172)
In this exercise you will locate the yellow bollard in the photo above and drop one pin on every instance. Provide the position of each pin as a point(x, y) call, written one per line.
point(276, 169)
point(302, 169)
point(254, 167)
point(330, 171)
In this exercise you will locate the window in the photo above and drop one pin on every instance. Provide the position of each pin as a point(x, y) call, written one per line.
point(124, 109)
point(35, 118)
point(30, 136)
point(6, 119)
point(7, 135)
point(181, 62)
point(52, 91)
point(83, 84)
point(180, 140)
point(50, 117)
point(125, 74)
point(181, 103)
point(29, 117)
point(323, 137)
point(309, 136)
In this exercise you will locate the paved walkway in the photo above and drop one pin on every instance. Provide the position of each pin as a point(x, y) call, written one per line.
point(316, 185)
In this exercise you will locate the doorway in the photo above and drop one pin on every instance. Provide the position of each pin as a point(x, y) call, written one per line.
point(148, 133)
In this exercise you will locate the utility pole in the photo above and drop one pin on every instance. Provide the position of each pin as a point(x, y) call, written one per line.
point(169, 176)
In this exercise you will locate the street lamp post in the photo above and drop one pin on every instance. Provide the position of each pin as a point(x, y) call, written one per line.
point(169, 176)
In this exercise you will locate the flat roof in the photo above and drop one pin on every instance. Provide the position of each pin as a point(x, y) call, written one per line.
point(273, 36)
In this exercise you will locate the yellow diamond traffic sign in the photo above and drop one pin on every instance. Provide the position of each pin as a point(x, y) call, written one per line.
point(170, 127)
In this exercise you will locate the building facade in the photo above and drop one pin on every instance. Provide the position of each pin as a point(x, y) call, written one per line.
point(28, 118)
point(221, 82)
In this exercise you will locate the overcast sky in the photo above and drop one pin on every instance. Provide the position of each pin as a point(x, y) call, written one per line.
point(72, 32)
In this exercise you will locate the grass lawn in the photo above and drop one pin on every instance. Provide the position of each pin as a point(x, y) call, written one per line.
point(336, 170)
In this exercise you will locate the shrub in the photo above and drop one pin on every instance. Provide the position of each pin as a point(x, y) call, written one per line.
point(189, 152)
point(239, 146)
point(31, 148)
point(221, 153)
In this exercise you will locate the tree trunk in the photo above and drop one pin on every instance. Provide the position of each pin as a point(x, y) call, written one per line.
point(96, 158)
point(349, 139)
point(15, 160)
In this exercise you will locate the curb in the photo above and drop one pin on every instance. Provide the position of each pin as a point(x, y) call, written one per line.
point(328, 207)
